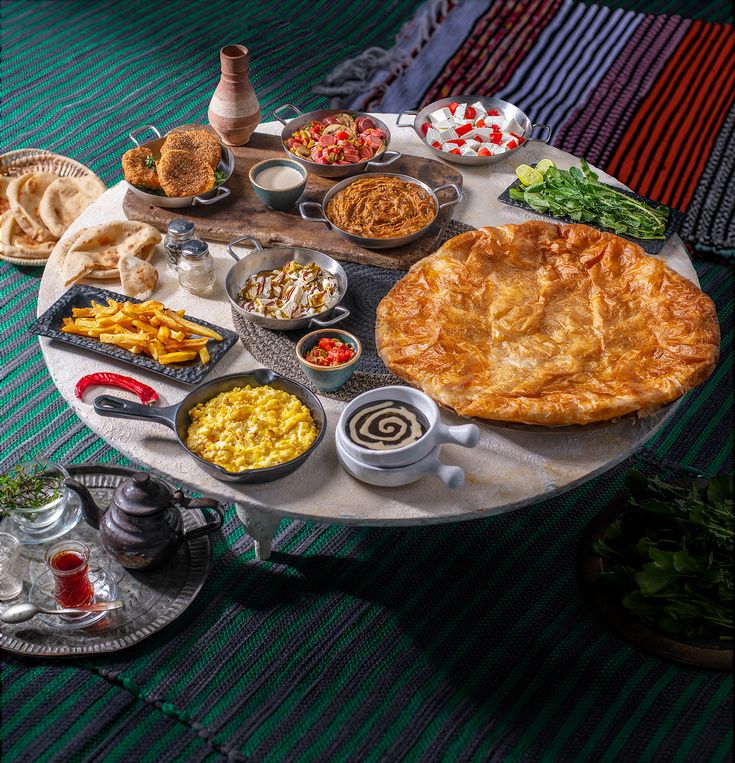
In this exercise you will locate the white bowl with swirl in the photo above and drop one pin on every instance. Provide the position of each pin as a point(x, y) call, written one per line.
point(384, 428)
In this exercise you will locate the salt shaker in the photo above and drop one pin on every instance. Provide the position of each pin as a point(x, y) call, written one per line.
point(196, 268)
point(179, 232)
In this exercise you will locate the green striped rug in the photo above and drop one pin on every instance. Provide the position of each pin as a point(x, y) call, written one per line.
point(465, 642)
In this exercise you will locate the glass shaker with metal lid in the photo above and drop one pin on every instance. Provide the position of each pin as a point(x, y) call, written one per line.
point(179, 232)
point(196, 268)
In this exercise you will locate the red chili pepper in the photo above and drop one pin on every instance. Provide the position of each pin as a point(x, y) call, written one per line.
point(146, 394)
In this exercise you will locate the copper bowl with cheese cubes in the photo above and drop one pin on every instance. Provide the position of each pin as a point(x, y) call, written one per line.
point(473, 129)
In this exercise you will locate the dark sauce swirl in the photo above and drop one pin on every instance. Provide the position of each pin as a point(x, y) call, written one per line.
point(386, 425)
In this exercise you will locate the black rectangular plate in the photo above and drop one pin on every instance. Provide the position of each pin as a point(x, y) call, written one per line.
point(651, 246)
point(49, 324)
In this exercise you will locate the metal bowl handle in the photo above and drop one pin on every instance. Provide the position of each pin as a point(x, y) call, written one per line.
point(134, 134)
point(118, 408)
point(386, 158)
point(458, 195)
point(405, 114)
point(281, 108)
point(343, 313)
point(222, 193)
point(304, 205)
point(254, 241)
point(546, 137)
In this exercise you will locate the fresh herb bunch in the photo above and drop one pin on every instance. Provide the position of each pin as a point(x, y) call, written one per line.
point(150, 162)
point(670, 556)
point(21, 489)
point(219, 177)
point(579, 195)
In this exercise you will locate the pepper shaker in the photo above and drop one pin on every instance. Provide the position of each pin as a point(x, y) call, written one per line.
point(179, 232)
point(196, 268)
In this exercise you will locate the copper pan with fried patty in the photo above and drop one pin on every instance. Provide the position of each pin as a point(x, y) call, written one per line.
point(226, 166)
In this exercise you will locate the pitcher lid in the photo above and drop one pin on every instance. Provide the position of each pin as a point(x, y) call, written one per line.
point(142, 495)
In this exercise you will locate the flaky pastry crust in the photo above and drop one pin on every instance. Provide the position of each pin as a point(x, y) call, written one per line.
point(547, 324)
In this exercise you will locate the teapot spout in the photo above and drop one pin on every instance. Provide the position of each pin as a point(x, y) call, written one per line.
point(90, 509)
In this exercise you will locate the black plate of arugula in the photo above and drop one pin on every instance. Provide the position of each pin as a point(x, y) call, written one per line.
point(657, 565)
point(577, 196)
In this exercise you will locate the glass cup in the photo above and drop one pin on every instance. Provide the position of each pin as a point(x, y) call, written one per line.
point(11, 582)
point(68, 561)
point(44, 477)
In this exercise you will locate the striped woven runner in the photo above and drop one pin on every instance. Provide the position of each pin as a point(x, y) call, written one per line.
point(464, 642)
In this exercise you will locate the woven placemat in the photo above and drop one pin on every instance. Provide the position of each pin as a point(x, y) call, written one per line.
point(367, 286)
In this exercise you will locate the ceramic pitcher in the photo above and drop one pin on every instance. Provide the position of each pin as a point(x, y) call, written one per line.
point(234, 111)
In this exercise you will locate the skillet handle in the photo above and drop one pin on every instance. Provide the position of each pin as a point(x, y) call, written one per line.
point(386, 158)
point(281, 108)
point(254, 241)
point(134, 134)
point(458, 195)
point(547, 135)
point(222, 193)
point(305, 205)
point(118, 408)
point(405, 114)
point(340, 314)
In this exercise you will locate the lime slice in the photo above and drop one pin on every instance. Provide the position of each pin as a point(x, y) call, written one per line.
point(544, 165)
point(528, 175)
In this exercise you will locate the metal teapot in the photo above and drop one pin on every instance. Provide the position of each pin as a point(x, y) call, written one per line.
point(143, 525)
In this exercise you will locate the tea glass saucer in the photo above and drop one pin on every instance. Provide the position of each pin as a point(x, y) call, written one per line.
point(42, 595)
point(68, 520)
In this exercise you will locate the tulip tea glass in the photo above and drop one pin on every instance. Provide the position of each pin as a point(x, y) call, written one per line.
point(68, 561)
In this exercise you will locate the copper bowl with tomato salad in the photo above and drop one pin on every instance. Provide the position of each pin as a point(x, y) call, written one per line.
point(381, 158)
point(334, 368)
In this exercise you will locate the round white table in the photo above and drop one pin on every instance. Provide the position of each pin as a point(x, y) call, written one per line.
point(508, 470)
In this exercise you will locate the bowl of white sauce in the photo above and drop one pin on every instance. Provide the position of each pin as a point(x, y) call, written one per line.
point(278, 183)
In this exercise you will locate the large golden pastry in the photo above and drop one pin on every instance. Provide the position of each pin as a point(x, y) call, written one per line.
point(547, 324)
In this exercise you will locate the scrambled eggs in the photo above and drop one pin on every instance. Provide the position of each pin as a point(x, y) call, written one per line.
point(250, 428)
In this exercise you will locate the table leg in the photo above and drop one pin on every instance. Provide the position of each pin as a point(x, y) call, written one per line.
point(261, 526)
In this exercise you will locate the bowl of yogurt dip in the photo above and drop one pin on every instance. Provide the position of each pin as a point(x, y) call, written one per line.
point(278, 183)
point(397, 426)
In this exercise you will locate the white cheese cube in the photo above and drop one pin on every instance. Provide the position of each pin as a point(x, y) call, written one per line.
point(432, 134)
point(440, 115)
point(445, 124)
point(459, 112)
point(448, 134)
point(473, 144)
point(480, 109)
point(447, 147)
point(467, 150)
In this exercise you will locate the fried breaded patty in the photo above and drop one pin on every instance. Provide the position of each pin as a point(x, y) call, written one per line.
point(198, 142)
point(184, 174)
point(135, 164)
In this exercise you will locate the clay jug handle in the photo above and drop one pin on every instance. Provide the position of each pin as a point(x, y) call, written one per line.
point(203, 504)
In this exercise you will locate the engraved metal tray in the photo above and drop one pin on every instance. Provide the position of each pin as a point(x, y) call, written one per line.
point(80, 295)
point(152, 599)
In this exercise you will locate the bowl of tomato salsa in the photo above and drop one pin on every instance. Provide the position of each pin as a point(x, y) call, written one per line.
point(328, 358)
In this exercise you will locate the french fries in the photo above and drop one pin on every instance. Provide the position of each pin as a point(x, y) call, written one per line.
point(148, 328)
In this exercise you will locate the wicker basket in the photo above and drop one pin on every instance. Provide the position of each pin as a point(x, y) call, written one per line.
point(25, 160)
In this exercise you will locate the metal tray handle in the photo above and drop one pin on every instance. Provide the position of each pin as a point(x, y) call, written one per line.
point(386, 158)
point(406, 114)
point(118, 408)
point(304, 205)
point(254, 241)
point(546, 137)
point(458, 195)
point(222, 193)
point(281, 108)
point(343, 313)
point(134, 134)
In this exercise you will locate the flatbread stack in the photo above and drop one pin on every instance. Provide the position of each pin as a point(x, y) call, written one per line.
point(37, 208)
point(112, 251)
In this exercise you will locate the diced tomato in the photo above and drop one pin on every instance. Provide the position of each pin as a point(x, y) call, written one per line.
point(464, 129)
point(453, 107)
point(496, 138)
point(342, 135)
point(456, 151)
point(457, 141)
point(326, 343)
point(470, 112)
point(480, 123)
point(511, 145)
point(436, 144)
point(482, 151)
point(425, 127)
point(493, 113)
point(517, 137)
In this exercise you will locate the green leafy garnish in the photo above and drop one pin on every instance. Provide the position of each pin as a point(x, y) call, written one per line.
point(150, 162)
point(580, 196)
point(23, 490)
point(219, 177)
point(670, 556)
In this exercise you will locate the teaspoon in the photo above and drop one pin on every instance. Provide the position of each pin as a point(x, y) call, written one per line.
point(25, 610)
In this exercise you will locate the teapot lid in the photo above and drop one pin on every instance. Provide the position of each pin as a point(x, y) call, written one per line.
point(142, 495)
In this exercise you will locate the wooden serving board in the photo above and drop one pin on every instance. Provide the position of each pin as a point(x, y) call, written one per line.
point(244, 214)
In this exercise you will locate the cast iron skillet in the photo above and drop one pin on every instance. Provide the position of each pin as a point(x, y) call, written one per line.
point(176, 417)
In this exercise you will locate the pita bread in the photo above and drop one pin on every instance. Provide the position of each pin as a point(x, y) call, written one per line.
point(25, 194)
point(138, 277)
point(98, 249)
point(15, 243)
point(65, 199)
point(4, 203)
